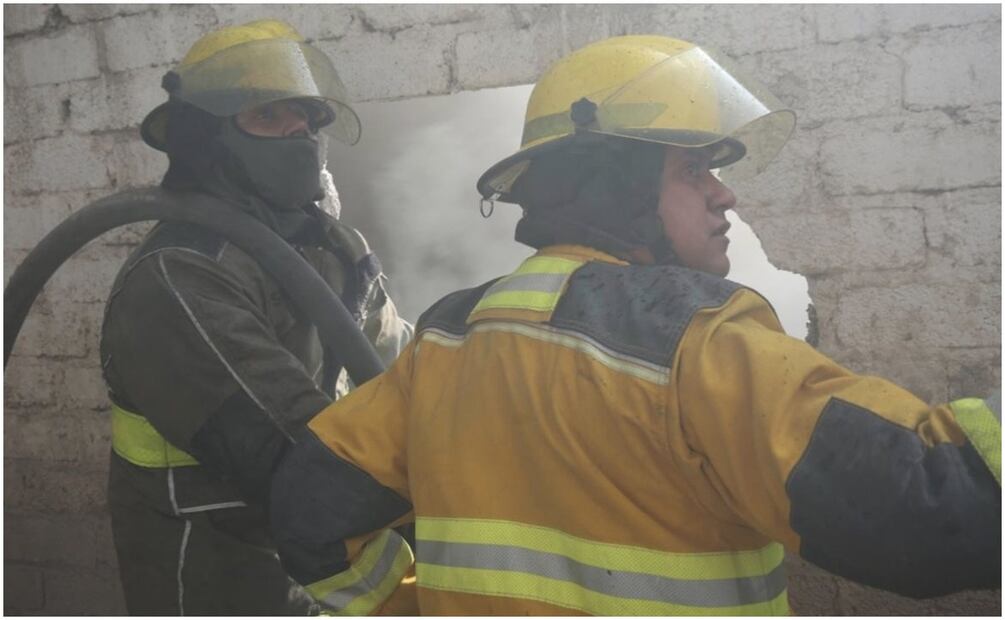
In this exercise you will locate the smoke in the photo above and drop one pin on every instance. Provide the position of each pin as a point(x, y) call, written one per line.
point(330, 203)
point(409, 186)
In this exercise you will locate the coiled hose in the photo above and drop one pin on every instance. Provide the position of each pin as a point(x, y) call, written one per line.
point(308, 292)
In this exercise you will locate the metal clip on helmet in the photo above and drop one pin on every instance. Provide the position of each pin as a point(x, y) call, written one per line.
point(653, 89)
point(240, 67)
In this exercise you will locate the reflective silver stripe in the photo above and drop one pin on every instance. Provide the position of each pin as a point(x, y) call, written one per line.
point(208, 507)
point(614, 360)
point(538, 282)
point(622, 584)
point(181, 567)
point(223, 360)
point(340, 599)
point(174, 501)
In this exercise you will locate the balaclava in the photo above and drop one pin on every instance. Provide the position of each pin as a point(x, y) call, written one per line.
point(285, 172)
point(599, 191)
point(275, 179)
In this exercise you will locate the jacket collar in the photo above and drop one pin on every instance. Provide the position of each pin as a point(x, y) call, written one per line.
point(580, 253)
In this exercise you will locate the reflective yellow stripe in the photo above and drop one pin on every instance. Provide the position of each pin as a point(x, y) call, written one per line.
point(573, 596)
point(134, 439)
point(536, 285)
point(983, 429)
point(503, 558)
point(369, 581)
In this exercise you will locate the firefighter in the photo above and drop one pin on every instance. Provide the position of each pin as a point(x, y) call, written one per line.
point(614, 428)
point(210, 369)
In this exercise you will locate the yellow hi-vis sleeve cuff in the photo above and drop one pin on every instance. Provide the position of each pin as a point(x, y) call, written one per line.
point(984, 430)
point(369, 580)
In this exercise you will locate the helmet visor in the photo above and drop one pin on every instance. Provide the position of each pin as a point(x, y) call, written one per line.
point(693, 99)
point(248, 75)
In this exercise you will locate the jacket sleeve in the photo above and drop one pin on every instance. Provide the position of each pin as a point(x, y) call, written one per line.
point(338, 493)
point(852, 472)
point(202, 363)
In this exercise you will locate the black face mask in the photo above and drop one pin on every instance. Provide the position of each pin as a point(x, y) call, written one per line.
point(285, 172)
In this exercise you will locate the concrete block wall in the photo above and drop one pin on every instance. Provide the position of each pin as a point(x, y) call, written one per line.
point(888, 199)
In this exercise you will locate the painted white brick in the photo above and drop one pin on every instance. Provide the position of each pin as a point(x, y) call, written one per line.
point(914, 153)
point(28, 383)
point(85, 591)
point(32, 485)
point(823, 82)
point(541, 16)
point(134, 164)
point(56, 327)
point(26, 219)
point(35, 111)
point(966, 226)
point(479, 64)
point(387, 17)
point(974, 372)
point(844, 240)
point(116, 101)
point(56, 164)
point(91, 12)
point(904, 17)
point(29, 218)
point(312, 21)
point(38, 538)
point(19, 18)
point(920, 370)
point(379, 66)
point(790, 183)
point(86, 390)
point(861, 21)
point(731, 28)
point(71, 54)
point(84, 279)
point(582, 25)
point(847, 21)
point(155, 38)
point(954, 67)
point(886, 318)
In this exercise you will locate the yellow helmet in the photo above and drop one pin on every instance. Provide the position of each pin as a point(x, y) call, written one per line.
point(239, 67)
point(654, 89)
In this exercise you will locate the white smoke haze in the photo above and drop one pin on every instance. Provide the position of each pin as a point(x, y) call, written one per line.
point(409, 186)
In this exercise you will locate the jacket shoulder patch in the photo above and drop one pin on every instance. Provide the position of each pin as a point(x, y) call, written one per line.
point(641, 311)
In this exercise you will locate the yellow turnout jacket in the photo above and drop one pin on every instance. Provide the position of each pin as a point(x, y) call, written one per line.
point(588, 436)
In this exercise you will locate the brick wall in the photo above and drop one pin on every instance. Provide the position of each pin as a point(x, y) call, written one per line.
point(887, 199)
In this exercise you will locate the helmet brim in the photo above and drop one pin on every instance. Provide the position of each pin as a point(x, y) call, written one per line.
point(153, 129)
point(496, 183)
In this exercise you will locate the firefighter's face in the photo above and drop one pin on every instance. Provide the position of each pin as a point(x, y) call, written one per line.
point(693, 205)
point(278, 119)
